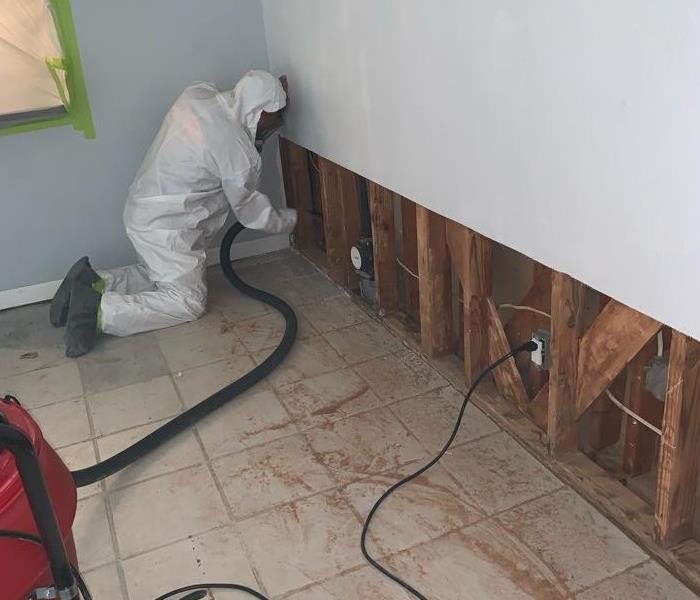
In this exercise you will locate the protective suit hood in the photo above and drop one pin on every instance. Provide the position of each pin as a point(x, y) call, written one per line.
point(256, 92)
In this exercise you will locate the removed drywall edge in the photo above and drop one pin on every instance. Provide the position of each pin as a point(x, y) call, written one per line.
point(41, 292)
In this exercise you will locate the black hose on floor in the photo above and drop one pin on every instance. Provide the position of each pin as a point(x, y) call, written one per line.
point(225, 395)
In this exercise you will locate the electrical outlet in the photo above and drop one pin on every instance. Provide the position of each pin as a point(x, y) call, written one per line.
point(540, 357)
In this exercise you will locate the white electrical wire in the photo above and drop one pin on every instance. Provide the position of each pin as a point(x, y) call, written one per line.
point(405, 268)
point(631, 413)
point(615, 401)
point(500, 306)
point(530, 308)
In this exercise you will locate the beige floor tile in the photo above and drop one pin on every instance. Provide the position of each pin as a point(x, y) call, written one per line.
point(272, 474)
point(327, 398)
point(648, 581)
point(366, 444)
point(216, 556)
point(334, 313)
point(400, 375)
point(265, 332)
point(251, 419)
point(233, 304)
point(425, 508)
point(92, 536)
point(169, 508)
point(497, 473)
point(198, 344)
point(79, 456)
point(361, 584)
point(28, 342)
point(180, 452)
point(133, 405)
point(431, 417)
point(301, 543)
point(308, 358)
point(104, 583)
point(578, 543)
point(363, 342)
point(199, 383)
point(64, 423)
point(480, 562)
point(274, 271)
point(45, 386)
point(306, 290)
point(118, 362)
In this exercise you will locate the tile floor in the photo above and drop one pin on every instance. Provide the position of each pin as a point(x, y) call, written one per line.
point(272, 490)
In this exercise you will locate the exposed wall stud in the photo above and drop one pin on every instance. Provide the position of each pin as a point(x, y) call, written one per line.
point(381, 206)
point(297, 187)
point(471, 255)
point(680, 444)
point(567, 306)
point(341, 220)
point(435, 286)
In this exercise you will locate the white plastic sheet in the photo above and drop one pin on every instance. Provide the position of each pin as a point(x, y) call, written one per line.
point(28, 39)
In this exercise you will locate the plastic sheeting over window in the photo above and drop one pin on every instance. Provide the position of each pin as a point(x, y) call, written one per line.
point(41, 75)
point(32, 64)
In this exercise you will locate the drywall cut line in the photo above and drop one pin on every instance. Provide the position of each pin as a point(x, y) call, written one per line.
point(41, 292)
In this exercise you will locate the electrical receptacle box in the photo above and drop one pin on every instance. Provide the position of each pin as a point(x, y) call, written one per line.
point(541, 356)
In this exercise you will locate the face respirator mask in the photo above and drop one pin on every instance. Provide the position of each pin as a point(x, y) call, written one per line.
point(264, 133)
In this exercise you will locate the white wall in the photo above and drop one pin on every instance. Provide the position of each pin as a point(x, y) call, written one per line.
point(62, 196)
point(565, 129)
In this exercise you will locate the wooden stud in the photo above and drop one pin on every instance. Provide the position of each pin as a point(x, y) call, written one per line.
point(641, 443)
point(410, 255)
point(567, 307)
point(680, 444)
point(435, 286)
point(341, 222)
point(471, 255)
point(381, 206)
point(506, 376)
point(297, 188)
point(614, 338)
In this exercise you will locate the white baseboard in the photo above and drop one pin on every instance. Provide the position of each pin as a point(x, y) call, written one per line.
point(41, 292)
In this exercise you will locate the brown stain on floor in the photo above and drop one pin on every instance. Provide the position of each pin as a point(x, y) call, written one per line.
point(335, 406)
point(532, 583)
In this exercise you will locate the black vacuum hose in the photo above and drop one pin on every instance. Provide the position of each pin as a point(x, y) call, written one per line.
point(195, 414)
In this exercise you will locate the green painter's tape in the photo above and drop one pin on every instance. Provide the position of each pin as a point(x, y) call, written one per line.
point(55, 65)
point(76, 101)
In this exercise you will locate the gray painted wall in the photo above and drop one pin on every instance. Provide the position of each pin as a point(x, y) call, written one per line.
point(62, 196)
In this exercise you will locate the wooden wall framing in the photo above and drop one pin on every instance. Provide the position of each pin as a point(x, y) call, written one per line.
point(545, 410)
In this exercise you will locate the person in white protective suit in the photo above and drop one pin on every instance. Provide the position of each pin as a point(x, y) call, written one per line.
point(204, 162)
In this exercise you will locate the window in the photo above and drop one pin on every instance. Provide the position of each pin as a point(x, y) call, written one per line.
point(41, 78)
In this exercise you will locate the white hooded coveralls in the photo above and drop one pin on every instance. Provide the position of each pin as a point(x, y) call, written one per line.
point(202, 164)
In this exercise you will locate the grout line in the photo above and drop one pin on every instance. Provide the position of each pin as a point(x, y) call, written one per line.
point(648, 560)
point(225, 502)
point(102, 493)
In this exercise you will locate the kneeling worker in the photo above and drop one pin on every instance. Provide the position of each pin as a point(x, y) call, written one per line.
point(204, 162)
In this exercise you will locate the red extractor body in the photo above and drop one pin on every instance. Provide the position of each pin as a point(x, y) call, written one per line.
point(23, 565)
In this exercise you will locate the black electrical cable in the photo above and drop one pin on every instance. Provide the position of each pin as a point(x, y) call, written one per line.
point(193, 415)
point(211, 586)
point(527, 347)
point(199, 588)
point(190, 417)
